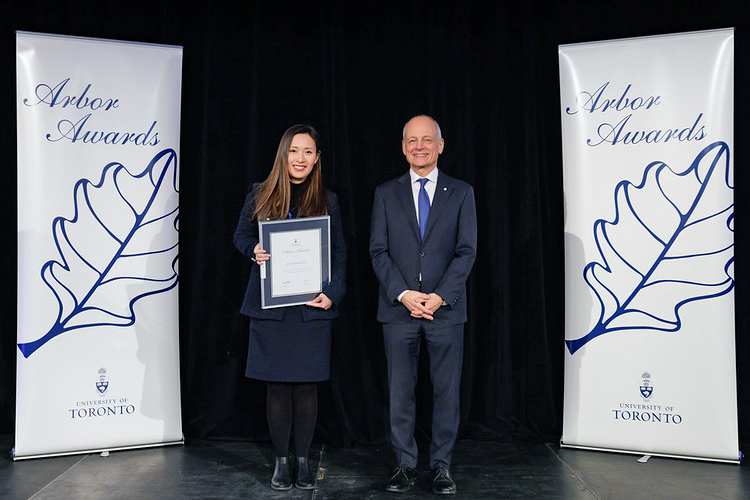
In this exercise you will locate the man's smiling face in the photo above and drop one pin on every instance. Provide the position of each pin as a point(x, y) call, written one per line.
point(421, 144)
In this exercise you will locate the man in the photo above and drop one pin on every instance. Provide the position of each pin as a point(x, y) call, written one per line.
point(422, 245)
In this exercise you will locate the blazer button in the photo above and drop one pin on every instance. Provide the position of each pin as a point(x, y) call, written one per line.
point(421, 254)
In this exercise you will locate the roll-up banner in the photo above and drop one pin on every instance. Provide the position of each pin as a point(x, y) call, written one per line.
point(98, 198)
point(648, 152)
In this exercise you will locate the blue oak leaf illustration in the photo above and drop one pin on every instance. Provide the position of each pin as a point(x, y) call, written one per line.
point(120, 246)
point(671, 243)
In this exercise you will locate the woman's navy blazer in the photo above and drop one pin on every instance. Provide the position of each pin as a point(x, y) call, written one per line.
point(246, 236)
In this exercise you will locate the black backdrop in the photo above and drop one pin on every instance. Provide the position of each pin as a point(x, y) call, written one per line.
point(488, 73)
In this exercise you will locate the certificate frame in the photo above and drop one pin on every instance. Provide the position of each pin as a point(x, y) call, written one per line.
point(300, 265)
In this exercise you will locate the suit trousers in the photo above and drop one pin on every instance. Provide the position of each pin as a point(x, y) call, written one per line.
point(445, 350)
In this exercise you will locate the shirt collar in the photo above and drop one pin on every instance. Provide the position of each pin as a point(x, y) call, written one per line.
point(432, 176)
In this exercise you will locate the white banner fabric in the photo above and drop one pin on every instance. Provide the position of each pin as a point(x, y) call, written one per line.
point(98, 199)
point(647, 127)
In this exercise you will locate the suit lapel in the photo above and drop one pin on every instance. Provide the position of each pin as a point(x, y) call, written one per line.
point(443, 190)
point(406, 197)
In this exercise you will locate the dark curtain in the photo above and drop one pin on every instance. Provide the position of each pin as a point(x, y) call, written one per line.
point(487, 72)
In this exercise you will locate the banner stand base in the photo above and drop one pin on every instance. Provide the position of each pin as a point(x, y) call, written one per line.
point(16, 458)
point(736, 461)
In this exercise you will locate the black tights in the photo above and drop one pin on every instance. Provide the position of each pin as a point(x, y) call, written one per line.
point(291, 406)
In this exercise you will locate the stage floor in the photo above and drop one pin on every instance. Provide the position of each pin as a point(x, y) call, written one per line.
point(483, 470)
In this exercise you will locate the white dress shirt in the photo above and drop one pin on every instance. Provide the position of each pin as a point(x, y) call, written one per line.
point(429, 186)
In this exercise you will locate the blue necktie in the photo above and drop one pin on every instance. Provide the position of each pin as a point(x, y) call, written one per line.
point(424, 207)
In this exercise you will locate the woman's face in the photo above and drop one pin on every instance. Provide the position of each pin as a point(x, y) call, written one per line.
point(301, 157)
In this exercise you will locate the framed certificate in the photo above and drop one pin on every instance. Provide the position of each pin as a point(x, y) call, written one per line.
point(300, 264)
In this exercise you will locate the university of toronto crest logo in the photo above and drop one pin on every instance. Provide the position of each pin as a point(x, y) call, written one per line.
point(646, 388)
point(102, 382)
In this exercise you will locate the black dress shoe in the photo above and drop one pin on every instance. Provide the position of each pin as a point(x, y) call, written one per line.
point(402, 480)
point(442, 482)
point(282, 475)
point(304, 479)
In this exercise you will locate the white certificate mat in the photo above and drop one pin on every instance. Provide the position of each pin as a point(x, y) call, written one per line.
point(297, 263)
point(300, 265)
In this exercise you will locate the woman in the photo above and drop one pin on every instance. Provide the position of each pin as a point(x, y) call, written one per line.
point(290, 347)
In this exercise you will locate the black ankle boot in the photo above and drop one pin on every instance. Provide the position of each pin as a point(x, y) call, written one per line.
point(305, 479)
point(282, 474)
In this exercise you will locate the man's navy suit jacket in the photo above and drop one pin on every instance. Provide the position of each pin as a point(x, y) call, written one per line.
point(440, 264)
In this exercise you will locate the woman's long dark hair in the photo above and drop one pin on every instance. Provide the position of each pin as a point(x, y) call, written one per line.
point(272, 196)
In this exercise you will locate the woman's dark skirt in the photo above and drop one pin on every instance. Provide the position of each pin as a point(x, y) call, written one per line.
point(290, 350)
